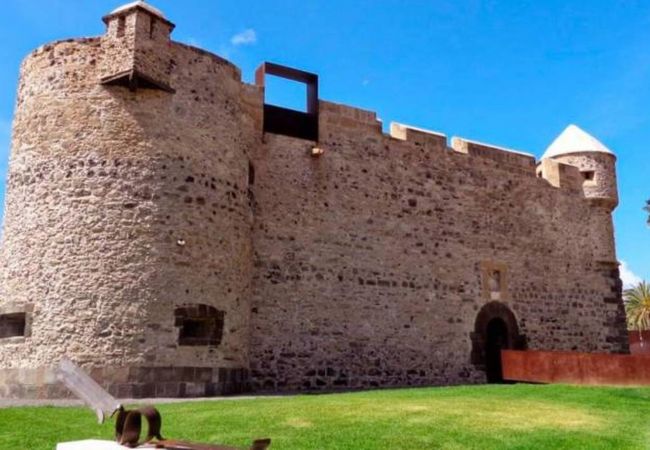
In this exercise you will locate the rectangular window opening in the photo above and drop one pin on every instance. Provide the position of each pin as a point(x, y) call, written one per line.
point(286, 93)
point(12, 325)
point(197, 329)
point(588, 175)
point(199, 325)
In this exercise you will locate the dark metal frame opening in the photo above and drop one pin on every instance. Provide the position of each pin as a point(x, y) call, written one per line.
point(286, 121)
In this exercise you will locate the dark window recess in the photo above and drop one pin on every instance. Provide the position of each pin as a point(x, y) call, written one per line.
point(588, 175)
point(12, 325)
point(251, 174)
point(287, 121)
point(121, 26)
point(199, 325)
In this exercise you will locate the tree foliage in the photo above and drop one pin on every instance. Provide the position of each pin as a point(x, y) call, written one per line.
point(637, 306)
point(647, 209)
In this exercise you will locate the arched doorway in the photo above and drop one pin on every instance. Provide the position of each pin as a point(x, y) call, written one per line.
point(495, 329)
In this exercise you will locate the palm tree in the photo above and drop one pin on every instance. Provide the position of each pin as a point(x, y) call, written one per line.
point(647, 209)
point(637, 308)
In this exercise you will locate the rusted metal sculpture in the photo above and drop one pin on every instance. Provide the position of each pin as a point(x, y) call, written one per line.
point(128, 423)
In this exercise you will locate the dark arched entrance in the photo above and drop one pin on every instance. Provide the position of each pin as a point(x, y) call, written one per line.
point(496, 340)
point(495, 329)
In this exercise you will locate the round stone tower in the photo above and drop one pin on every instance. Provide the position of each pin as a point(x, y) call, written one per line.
point(597, 166)
point(127, 243)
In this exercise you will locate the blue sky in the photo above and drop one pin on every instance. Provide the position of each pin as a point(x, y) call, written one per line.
point(511, 73)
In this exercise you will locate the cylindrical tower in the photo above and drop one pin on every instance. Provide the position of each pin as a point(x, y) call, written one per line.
point(597, 165)
point(127, 221)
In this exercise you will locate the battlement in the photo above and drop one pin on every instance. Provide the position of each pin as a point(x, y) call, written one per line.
point(138, 38)
point(560, 175)
point(417, 135)
point(501, 155)
point(567, 176)
point(348, 116)
point(335, 119)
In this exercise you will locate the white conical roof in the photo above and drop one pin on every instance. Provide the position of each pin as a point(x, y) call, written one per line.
point(141, 4)
point(573, 140)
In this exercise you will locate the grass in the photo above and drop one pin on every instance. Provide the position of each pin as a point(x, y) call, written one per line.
point(469, 417)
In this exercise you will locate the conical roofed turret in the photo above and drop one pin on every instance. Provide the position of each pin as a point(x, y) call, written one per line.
point(575, 140)
point(596, 162)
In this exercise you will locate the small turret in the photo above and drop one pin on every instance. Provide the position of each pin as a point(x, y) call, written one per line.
point(597, 173)
point(136, 48)
point(597, 164)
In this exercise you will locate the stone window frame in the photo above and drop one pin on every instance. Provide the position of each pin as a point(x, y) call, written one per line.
point(13, 309)
point(488, 268)
point(189, 317)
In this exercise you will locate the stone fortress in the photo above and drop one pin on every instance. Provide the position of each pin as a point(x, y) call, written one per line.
point(175, 235)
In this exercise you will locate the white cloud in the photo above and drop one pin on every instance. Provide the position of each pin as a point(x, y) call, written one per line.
point(629, 278)
point(193, 42)
point(246, 37)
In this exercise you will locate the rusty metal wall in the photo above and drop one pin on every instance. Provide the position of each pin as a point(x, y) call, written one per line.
point(639, 342)
point(575, 368)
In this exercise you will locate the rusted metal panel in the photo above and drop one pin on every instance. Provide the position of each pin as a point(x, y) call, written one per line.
point(575, 368)
point(639, 342)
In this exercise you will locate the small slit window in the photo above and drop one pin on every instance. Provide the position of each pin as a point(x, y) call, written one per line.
point(251, 174)
point(588, 175)
point(199, 325)
point(121, 26)
point(12, 325)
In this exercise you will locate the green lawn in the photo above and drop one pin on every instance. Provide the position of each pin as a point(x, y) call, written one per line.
point(476, 417)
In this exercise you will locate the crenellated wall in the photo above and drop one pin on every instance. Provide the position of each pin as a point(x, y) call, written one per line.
point(372, 260)
point(159, 238)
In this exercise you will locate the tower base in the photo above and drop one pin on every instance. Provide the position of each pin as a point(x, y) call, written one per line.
point(129, 382)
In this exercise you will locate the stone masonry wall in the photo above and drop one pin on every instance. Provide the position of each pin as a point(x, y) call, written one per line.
point(135, 210)
point(122, 206)
point(369, 259)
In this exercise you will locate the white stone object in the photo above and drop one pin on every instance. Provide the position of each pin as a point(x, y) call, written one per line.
point(87, 390)
point(142, 4)
point(574, 140)
point(90, 444)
